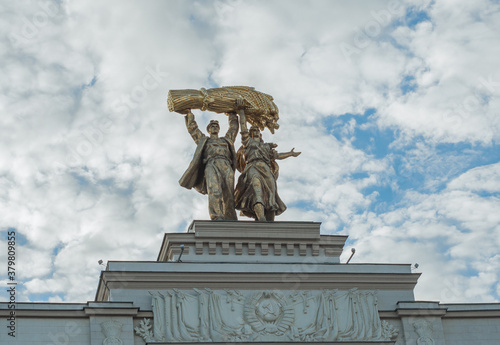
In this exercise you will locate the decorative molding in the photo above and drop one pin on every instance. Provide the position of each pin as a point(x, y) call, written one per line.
point(424, 331)
point(251, 248)
point(212, 248)
point(388, 314)
point(255, 230)
point(199, 248)
point(225, 248)
point(421, 312)
point(464, 314)
point(389, 331)
point(264, 249)
point(277, 249)
point(112, 330)
point(149, 280)
point(303, 249)
point(143, 314)
point(315, 249)
point(238, 248)
point(296, 343)
point(39, 313)
point(144, 330)
point(243, 280)
point(84, 312)
point(111, 311)
point(205, 315)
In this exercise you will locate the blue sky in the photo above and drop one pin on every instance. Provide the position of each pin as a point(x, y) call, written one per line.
point(394, 105)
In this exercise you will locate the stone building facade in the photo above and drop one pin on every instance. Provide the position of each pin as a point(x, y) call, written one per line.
point(253, 282)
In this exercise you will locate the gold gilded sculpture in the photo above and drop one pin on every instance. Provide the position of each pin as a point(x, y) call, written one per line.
point(259, 107)
point(211, 170)
point(256, 194)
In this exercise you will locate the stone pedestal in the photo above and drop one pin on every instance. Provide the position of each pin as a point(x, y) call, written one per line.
point(251, 242)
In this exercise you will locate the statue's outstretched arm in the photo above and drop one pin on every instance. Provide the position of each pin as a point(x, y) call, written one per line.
point(192, 127)
point(292, 153)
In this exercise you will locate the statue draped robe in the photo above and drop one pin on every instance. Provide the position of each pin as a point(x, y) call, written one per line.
point(257, 182)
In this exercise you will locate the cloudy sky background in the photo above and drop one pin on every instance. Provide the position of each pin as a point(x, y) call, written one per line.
point(394, 104)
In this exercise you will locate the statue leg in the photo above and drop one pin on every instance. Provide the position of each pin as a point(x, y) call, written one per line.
point(214, 194)
point(229, 210)
point(259, 211)
point(258, 207)
point(214, 208)
point(270, 215)
point(228, 195)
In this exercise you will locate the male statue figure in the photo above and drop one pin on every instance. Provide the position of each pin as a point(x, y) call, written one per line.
point(212, 169)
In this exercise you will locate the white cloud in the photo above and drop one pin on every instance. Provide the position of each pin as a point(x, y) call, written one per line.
point(453, 235)
point(480, 179)
point(90, 156)
point(457, 88)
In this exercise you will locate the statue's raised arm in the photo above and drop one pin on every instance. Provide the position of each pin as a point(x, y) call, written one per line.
point(233, 126)
point(192, 127)
point(240, 106)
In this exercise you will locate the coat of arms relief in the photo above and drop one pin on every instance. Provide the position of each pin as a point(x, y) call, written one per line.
point(205, 315)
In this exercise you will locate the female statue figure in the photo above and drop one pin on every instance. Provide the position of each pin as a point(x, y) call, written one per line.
point(256, 193)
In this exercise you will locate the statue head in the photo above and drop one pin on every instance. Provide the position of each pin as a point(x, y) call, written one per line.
point(254, 132)
point(213, 127)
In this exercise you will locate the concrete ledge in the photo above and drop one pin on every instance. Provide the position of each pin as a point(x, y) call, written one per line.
point(452, 307)
point(284, 343)
point(70, 310)
point(473, 310)
point(306, 266)
point(255, 230)
point(251, 281)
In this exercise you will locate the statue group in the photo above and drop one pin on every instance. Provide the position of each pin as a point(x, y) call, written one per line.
point(215, 160)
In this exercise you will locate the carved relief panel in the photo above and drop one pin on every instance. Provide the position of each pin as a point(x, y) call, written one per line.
point(264, 315)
